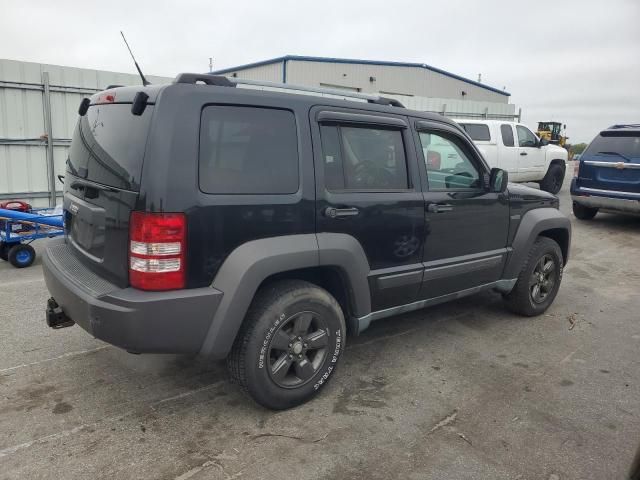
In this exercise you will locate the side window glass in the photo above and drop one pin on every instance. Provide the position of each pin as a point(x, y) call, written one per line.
point(507, 135)
point(478, 132)
point(525, 137)
point(448, 166)
point(363, 158)
point(246, 150)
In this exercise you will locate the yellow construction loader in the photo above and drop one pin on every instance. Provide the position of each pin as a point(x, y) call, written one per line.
point(553, 132)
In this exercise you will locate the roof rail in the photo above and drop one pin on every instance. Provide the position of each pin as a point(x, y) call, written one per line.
point(625, 125)
point(223, 81)
point(320, 91)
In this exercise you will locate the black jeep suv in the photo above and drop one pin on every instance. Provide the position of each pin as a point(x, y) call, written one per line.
point(260, 225)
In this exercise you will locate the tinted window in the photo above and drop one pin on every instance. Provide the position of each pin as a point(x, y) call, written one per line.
point(526, 138)
point(477, 131)
point(358, 158)
point(248, 150)
point(108, 145)
point(507, 135)
point(448, 166)
point(610, 144)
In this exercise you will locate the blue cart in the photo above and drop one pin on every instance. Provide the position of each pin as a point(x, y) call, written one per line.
point(19, 229)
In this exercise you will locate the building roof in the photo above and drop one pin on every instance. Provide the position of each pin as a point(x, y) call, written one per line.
point(359, 62)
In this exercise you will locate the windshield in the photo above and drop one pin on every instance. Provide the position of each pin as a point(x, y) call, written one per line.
point(615, 146)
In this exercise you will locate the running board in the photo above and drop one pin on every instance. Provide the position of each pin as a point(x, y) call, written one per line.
point(362, 323)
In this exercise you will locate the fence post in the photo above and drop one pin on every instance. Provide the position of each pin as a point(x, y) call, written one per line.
point(46, 102)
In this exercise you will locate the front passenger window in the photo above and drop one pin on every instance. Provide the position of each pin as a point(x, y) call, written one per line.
point(525, 137)
point(448, 166)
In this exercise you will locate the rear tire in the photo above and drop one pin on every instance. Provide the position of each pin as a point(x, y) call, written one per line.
point(584, 213)
point(289, 344)
point(21, 256)
point(552, 181)
point(539, 279)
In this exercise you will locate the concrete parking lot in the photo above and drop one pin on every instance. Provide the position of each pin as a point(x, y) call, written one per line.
point(462, 391)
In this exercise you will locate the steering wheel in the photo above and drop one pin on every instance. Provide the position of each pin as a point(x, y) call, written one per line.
point(368, 174)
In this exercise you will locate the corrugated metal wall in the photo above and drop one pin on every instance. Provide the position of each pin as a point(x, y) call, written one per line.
point(262, 73)
point(24, 146)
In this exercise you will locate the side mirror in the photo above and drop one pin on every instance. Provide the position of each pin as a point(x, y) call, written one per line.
point(543, 142)
point(498, 180)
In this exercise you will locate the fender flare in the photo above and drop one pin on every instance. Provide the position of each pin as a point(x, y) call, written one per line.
point(251, 263)
point(532, 224)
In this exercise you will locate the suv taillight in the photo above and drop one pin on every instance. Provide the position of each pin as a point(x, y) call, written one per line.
point(157, 245)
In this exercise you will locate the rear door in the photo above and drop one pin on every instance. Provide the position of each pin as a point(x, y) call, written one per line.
point(367, 186)
point(612, 162)
point(531, 161)
point(102, 182)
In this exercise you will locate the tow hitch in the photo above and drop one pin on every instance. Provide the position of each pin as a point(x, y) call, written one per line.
point(56, 318)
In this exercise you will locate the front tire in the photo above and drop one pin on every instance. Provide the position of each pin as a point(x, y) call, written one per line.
point(539, 279)
point(289, 345)
point(584, 213)
point(4, 251)
point(552, 181)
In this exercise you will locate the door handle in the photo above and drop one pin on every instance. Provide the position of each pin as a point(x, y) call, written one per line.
point(439, 208)
point(523, 153)
point(333, 212)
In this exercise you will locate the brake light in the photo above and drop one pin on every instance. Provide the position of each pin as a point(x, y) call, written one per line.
point(106, 97)
point(157, 246)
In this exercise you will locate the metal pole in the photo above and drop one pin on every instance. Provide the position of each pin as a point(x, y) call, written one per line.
point(520, 115)
point(46, 102)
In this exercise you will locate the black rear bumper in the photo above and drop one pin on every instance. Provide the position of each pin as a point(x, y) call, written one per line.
point(138, 321)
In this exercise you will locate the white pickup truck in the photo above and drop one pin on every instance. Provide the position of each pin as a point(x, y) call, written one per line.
point(516, 149)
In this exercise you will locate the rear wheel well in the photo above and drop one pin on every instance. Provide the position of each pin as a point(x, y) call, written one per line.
point(327, 277)
point(561, 237)
point(557, 161)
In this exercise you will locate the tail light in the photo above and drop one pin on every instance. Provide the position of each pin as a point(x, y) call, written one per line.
point(157, 249)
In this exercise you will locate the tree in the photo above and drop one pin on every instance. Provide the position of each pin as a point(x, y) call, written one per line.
point(577, 148)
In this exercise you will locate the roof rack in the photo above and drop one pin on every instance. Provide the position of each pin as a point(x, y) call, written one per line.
point(223, 81)
point(627, 125)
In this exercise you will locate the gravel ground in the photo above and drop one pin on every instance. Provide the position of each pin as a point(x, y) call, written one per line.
point(462, 391)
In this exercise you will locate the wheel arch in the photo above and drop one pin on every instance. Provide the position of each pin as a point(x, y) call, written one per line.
point(547, 222)
point(335, 262)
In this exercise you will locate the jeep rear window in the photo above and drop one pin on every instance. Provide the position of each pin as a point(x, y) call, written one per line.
point(608, 144)
point(477, 131)
point(108, 146)
point(248, 150)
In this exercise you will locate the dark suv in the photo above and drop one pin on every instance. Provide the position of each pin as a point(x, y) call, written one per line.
point(261, 226)
point(608, 174)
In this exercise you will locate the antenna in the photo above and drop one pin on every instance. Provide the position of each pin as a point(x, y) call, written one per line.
point(144, 80)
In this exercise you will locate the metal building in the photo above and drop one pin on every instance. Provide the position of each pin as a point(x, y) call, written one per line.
point(417, 85)
point(38, 112)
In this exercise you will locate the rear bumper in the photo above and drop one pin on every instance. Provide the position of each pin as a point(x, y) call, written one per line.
point(605, 199)
point(137, 321)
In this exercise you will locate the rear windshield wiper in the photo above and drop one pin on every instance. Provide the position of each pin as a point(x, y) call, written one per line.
point(615, 153)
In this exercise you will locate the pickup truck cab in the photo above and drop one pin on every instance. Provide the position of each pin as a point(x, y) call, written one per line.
point(515, 148)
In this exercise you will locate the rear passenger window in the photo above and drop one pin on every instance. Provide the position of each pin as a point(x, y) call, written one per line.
point(248, 150)
point(507, 135)
point(363, 158)
point(477, 131)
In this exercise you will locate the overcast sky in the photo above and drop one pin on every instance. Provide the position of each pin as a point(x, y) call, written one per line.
point(574, 61)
